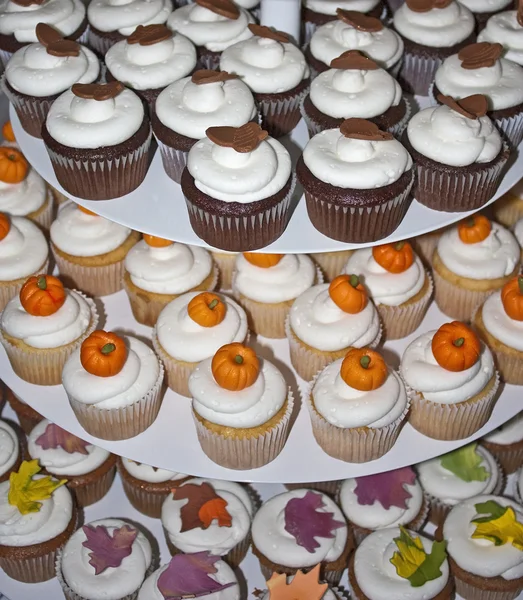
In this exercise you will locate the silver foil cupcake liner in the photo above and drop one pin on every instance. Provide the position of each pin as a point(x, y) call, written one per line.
point(174, 161)
point(280, 116)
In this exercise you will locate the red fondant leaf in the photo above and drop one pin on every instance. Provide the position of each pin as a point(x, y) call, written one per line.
point(106, 550)
point(305, 522)
point(387, 488)
point(56, 437)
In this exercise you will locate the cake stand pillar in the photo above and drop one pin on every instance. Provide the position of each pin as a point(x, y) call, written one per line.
point(283, 15)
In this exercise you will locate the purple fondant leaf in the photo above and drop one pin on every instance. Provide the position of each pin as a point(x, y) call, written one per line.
point(106, 550)
point(387, 488)
point(56, 437)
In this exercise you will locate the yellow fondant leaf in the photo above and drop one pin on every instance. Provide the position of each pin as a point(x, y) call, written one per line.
point(500, 527)
point(25, 492)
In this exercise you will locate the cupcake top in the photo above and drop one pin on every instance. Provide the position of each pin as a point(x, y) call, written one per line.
point(358, 155)
point(449, 365)
point(479, 249)
point(437, 25)
point(485, 6)
point(213, 24)
point(45, 315)
point(192, 327)
point(334, 316)
point(355, 31)
point(111, 372)
point(518, 231)
point(79, 232)
point(248, 4)
point(165, 267)
point(457, 134)
point(150, 474)
point(50, 66)
point(95, 115)
point(360, 390)
point(329, 7)
point(20, 18)
point(124, 16)
point(302, 585)
point(299, 529)
point(208, 98)
point(9, 448)
point(478, 69)
point(501, 314)
point(268, 62)
point(354, 87)
point(23, 248)
point(383, 500)
point(237, 389)
point(392, 273)
point(23, 192)
point(483, 536)
point(33, 508)
point(222, 525)
point(506, 28)
point(205, 575)
point(62, 453)
point(152, 57)
point(460, 475)
point(105, 559)
point(509, 433)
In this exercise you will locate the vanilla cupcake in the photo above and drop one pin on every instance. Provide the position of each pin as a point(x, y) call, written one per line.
point(331, 263)
point(157, 271)
point(518, 232)
point(508, 209)
point(451, 381)
point(483, 10)
point(506, 444)
point(225, 262)
point(506, 28)
point(191, 329)
point(89, 250)
point(472, 260)
point(12, 449)
point(42, 326)
point(266, 285)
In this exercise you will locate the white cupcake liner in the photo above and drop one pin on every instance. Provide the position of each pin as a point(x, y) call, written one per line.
point(511, 128)
point(174, 161)
point(10, 289)
point(209, 61)
point(45, 215)
point(225, 264)
point(425, 245)
point(98, 43)
point(331, 263)
point(5, 55)
point(516, 493)
point(510, 456)
point(417, 72)
point(280, 116)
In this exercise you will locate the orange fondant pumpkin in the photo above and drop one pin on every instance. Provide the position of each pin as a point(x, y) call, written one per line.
point(207, 309)
point(13, 165)
point(42, 295)
point(455, 346)
point(235, 367)
point(156, 242)
point(348, 294)
point(512, 298)
point(86, 210)
point(394, 258)
point(363, 369)
point(265, 261)
point(103, 353)
point(5, 225)
point(7, 132)
point(475, 229)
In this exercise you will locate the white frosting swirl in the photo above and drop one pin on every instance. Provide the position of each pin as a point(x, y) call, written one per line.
point(447, 137)
point(248, 4)
point(124, 16)
point(496, 256)
point(504, 28)
point(215, 539)
point(151, 67)
point(82, 123)
point(485, 6)
point(150, 474)
point(114, 582)
point(509, 433)
point(357, 164)
point(243, 177)
point(329, 7)
point(174, 269)
point(24, 198)
point(23, 251)
point(320, 323)
point(436, 28)
point(518, 232)
point(190, 109)
point(9, 447)
point(500, 325)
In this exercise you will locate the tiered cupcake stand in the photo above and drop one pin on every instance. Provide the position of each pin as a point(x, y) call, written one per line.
point(158, 207)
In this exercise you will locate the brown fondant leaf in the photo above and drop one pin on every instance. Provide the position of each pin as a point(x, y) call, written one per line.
point(520, 13)
point(26, 3)
point(471, 107)
point(354, 59)
point(224, 8)
point(204, 76)
point(147, 35)
point(242, 139)
point(361, 129)
point(359, 21)
point(426, 5)
point(482, 54)
point(97, 91)
point(267, 32)
point(54, 43)
point(203, 508)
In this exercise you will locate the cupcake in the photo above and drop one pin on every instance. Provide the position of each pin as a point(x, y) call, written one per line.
point(225, 262)
point(484, 9)
point(506, 28)
point(459, 154)
point(191, 329)
point(147, 487)
point(506, 444)
point(485, 555)
point(238, 186)
point(12, 449)
point(38, 73)
point(377, 502)
point(277, 73)
point(42, 326)
point(158, 271)
point(113, 385)
point(187, 108)
point(241, 406)
point(212, 26)
point(37, 517)
point(425, 244)
point(451, 380)
point(352, 30)
point(89, 470)
point(508, 209)
point(457, 476)
point(23, 252)
point(330, 488)
point(431, 31)
point(282, 545)
point(209, 515)
point(27, 416)
point(331, 263)
point(98, 138)
point(89, 250)
point(108, 558)
point(518, 232)
point(472, 260)
point(300, 584)
point(150, 59)
point(357, 181)
point(8, 135)
point(326, 320)
point(397, 283)
point(357, 406)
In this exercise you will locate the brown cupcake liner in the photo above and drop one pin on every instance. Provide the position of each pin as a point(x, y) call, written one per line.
point(44, 366)
point(280, 116)
point(477, 587)
point(225, 264)
point(27, 416)
point(90, 492)
point(120, 423)
point(331, 263)
point(31, 110)
point(509, 456)
point(174, 161)
point(248, 452)
point(330, 488)
point(332, 577)
point(10, 289)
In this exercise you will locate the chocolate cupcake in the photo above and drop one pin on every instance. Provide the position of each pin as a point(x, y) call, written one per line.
point(357, 181)
point(238, 186)
point(98, 139)
point(355, 87)
point(506, 28)
point(484, 9)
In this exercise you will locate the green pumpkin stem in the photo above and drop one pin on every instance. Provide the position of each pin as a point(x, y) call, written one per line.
point(365, 361)
point(108, 348)
point(354, 280)
point(520, 284)
point(459, 342)
point(398, 246)
point(213, 304)
point(238, 359)
point(41, 282)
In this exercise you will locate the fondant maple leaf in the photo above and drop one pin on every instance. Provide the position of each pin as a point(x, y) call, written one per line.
point(465, 463)
point(204, 507)
point(500, 526)
point(304, 586)
point(25, 492)
point(56, 437)
point(305, 522)
point(386, 488)
point(108, 550)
